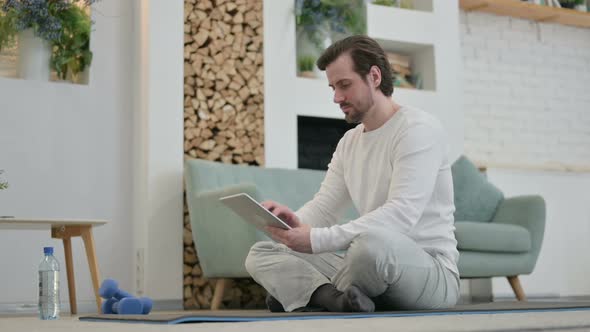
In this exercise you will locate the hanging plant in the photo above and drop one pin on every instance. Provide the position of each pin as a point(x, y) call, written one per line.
point(65, 24)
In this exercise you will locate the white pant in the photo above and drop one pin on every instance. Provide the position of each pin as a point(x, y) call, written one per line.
point(389, 267)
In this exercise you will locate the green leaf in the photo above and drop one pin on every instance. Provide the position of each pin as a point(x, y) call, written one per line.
point(71, 51)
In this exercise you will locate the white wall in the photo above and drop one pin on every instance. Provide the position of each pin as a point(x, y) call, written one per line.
point(66, 150)
point(564, 261)
point(158, 161)
point(526, 92)
point(110, 150)
point(526, 108)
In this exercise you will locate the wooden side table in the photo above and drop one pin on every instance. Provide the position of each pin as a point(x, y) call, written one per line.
point(65, 229)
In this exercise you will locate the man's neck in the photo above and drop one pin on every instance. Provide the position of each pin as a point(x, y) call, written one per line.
point(382, 111)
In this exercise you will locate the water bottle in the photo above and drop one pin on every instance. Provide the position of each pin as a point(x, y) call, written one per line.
point(49, 286)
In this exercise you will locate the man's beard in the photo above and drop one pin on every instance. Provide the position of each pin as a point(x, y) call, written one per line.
point(356, 114)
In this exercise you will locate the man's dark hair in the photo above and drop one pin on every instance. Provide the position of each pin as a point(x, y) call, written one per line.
point(365, 53)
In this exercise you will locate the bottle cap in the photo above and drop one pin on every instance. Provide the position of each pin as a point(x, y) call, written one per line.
point(48, 250)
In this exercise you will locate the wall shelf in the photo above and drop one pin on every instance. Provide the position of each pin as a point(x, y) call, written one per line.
point(529, 11)
point(391, 23)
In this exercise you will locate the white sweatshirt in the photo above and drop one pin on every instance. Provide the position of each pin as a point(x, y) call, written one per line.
point(397, 176)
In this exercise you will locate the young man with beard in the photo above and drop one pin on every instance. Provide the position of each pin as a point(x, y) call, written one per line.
point(401, 252)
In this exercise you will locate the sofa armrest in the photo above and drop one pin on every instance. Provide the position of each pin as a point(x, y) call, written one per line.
point(525, 211)
point(222, 239)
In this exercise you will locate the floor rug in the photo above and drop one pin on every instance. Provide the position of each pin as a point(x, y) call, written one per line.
point(252, 316)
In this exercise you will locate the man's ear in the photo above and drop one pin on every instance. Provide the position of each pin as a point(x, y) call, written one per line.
point(375, 76)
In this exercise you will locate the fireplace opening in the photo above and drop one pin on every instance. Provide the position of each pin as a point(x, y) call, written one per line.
point(317, 139)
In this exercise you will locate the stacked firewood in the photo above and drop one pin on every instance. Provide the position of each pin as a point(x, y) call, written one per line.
point(223, 81)
point(223, 115)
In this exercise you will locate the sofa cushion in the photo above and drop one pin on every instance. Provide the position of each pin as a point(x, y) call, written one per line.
point(214, 225)
point(476, 199)
point(291, 187)
point(492, 237)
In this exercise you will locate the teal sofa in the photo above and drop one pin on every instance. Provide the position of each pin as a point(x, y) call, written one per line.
point(496, 238)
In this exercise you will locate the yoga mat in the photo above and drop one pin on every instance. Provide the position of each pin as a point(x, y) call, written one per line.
point(252, 316)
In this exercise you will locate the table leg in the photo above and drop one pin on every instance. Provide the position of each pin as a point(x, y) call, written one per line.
point(70, 274)
point(92, 263)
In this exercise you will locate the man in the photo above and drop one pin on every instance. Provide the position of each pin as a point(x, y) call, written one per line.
point(401, 252)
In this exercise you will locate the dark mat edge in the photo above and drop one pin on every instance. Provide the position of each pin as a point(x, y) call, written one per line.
point(231, 317)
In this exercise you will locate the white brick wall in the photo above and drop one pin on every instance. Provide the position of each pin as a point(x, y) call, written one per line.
point(527, 93)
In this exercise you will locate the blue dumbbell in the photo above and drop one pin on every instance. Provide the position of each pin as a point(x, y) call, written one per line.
point(109, 288)
point(146, 304)
point(115, 303)
point(107, 306)
point(127, 306)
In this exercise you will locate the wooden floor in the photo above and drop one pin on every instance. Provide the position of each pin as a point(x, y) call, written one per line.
point(544, 321)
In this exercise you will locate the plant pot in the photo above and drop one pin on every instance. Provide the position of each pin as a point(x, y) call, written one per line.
point(80, 78)
point(305, 44)
point(34, 54)
point(307, 74)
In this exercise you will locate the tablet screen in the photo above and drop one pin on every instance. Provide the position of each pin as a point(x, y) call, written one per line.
point(251, 211)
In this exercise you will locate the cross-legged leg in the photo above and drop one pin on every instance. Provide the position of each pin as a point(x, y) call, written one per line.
point(289, 276)
point(397, 273)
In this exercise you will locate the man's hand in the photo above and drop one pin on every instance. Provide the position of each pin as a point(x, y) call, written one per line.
point(298, 238)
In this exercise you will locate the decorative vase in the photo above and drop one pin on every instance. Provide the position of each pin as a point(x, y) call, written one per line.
point(34, 56)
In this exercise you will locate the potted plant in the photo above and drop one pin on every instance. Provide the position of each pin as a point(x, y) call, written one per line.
point(387, 3)
point(320, 20)
point(71, 51)
point(51, 33)
point(3, 185)
point(305, 64)
point(7, 31)
point(406, 4)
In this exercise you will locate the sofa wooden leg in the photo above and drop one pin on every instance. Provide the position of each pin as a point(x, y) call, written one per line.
point(516, 287)
point(218, 293)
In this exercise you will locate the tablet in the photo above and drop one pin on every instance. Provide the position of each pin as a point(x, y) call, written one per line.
point(251, 211)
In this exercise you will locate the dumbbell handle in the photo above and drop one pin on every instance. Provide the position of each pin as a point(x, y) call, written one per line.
point(121, 294)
